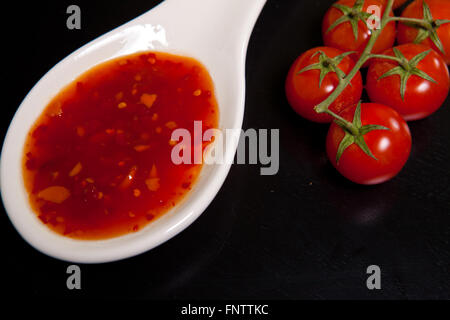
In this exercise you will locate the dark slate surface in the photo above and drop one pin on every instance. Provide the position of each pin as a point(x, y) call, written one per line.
point(305, 233)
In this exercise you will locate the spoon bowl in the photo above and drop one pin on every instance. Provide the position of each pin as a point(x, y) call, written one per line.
point(215, 32)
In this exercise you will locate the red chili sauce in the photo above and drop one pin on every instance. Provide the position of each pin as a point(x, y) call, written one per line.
point(97, 163)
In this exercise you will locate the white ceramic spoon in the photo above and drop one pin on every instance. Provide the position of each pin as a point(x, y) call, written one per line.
point(216, 32)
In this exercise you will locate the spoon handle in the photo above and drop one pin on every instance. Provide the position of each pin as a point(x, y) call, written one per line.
point(225, 24)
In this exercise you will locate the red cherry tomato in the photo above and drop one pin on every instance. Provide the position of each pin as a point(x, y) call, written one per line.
point(391, 147)
point(397, 3)
point(422, 97)
point(342, 36)
point(439, 9)
point(304, 90)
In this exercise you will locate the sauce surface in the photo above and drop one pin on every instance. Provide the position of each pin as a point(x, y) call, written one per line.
point(97, 163)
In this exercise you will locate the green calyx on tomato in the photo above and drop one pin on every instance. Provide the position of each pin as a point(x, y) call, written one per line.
point(355, 134)
point(351, 14)
point(327, 65)
point(428, 27)
point(406, 69)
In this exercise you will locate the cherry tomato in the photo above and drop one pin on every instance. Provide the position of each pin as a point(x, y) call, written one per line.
point(305, 90)
point(345, 37)
point(439, 10)
point(397, 3)
point(421, 96)
point(390, 147)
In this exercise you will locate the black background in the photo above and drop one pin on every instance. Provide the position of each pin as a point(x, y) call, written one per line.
point(305, 233)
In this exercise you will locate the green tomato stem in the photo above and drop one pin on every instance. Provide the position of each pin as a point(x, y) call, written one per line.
point(416, 21)
point(347, 124)
point(383, 56)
